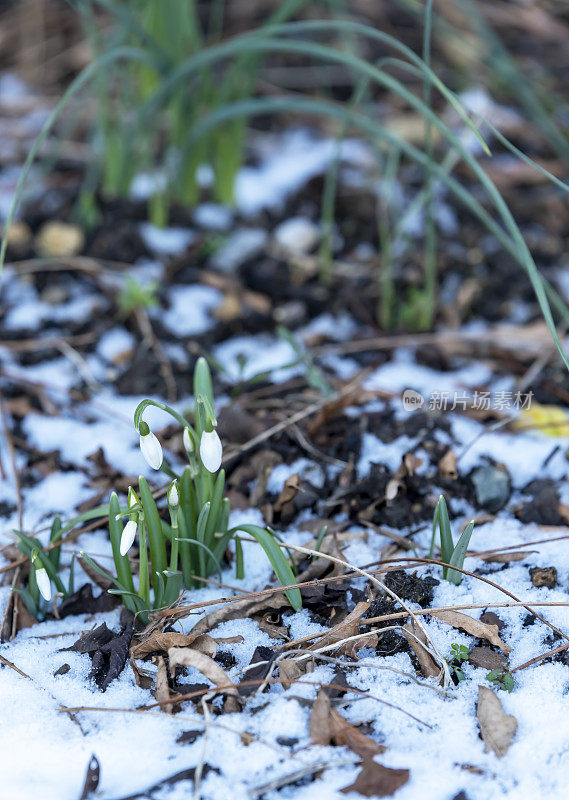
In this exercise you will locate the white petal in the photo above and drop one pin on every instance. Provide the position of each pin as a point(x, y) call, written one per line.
point(210, 451)
point(187, 441)
point(151, 450)
point(127, 537)
point(173, 496)
point(44, 583)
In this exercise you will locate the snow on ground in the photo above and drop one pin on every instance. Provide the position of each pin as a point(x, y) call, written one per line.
point(438, 745)
point(45, 751)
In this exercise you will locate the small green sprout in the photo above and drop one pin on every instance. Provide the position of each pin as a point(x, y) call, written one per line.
point(191, 546)
point(458, 654)
point(133, 296)
point(450, 554)
point(501, 678)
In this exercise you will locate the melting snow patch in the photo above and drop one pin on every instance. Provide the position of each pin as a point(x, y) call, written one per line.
point(240, 247)
point(166, 241)
point(190, 308)
point(299, 158)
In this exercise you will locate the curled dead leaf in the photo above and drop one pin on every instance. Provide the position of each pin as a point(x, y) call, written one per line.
point(497, 727)
point(162, 692)
point(240, 608)
point(328, 726)
point(417, 641)
point(349, 626)
point(188, 657)
point(475, 627)
point(289, 671)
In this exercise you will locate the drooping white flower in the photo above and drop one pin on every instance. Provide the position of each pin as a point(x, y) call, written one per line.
point(187, 441)
point(151, 450)
point(43, 582)
point(210, 450)
point(127, 537)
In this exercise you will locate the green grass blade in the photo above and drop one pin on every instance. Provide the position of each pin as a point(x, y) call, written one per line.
point(278, 561)
point(459, 552)
point(156, 543)
point(122, 564)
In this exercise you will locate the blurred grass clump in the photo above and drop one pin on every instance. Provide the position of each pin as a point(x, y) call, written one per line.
point(145, 107)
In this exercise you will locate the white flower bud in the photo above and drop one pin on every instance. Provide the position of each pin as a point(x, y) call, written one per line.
point(127, 537)
point(187, 441)
point(210, 450)
point(132, 498)
point(151, 450)
point(173, 496)
point(43, 582)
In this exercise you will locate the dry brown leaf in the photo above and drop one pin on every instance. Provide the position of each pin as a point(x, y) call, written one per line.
point(505, 558)
point(161, 642)
point(375, 780)
point(289, 671)
point(290, 490)
point(327, 725)
point(447, 466)
point(241, 608)
point(417, 639)
point(320, 726)
point(473, 626)
point(187, 657)
point(349, 626)
point(345, 734)
point(162, 692)
point(497, 727)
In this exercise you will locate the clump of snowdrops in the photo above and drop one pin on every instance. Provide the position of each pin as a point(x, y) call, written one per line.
point(175, 553)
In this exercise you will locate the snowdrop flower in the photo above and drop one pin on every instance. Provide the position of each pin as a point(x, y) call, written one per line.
point(151, 447)
point(187, 441)
point(173, 496)
point(43, 582)
point(133, 500)
point(210, 450)
point(127, 537)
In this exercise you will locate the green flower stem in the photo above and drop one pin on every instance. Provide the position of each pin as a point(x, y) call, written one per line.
point(185, 548)
point(168, 409)
point(200, 536)
point(143, 577)
point(216, 501)
point(156, 543)
point(174, 550)
point(33, 588)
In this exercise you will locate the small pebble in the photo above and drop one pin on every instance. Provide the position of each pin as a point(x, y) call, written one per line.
point(544, 576)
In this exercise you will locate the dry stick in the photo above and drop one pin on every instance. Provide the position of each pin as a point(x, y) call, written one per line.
point(14, 667)
point(419, 612)
point(292, 777)
point(310, 552)
point(356, 665)
point(536, 659)
point(231, 686)
point(221, 689)
point(292, 420)
point(484, 580)
point(49, 343)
